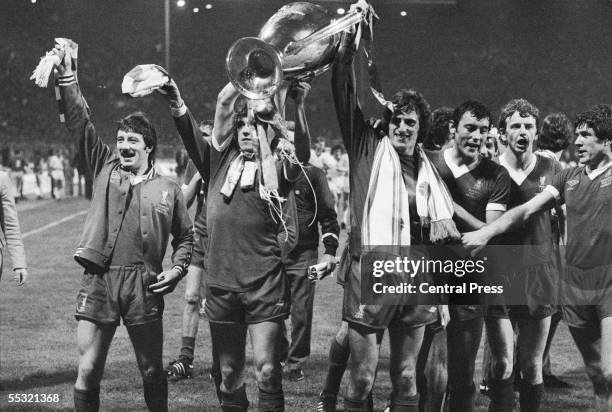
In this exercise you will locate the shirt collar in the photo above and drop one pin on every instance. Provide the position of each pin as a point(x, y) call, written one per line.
point(518, 175)
point(455, 169)
point(136, 179)
point(593, 174)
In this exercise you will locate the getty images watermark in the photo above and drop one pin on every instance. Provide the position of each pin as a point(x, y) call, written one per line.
point(498, 275)
point(406, 267)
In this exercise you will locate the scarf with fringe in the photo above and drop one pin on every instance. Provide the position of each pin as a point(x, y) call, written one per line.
point(386, 217)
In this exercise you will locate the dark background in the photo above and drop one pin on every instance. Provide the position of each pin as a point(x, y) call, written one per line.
point(556, 53)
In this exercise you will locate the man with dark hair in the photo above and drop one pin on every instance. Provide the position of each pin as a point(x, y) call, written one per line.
point(383, 160)
point(553, 140)
point(194, 188)
point(480, 188)
point(533, 273)
point(130, 220)
point(439, 136)
point(587, 290)
point(247, 289)
point(320, 157)
point(555, 134)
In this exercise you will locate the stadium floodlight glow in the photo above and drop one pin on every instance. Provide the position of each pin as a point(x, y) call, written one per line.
point(403, 13)
point(208, 6)
point(341, 11)
point(195, 9)
point(180, 3)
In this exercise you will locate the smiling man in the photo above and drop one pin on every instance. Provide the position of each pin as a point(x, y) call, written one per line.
point(131, 217)
point(586, 191)
point(386, 163)
point(480, 188)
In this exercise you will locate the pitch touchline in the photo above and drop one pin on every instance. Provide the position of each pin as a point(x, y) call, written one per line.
point(50, 225)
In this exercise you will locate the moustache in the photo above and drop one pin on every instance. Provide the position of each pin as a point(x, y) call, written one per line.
point(127, 153)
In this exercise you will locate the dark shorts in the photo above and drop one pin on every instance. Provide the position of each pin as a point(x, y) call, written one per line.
point(199, 251)
point(535, 285)
point(120, 293)
point(379, 316)
point(268, 301)
point(587, 296)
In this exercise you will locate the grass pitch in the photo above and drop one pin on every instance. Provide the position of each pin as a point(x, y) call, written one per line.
point(38, 353)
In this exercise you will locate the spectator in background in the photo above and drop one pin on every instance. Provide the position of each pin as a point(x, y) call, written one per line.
point(491, 147)
point(439, 136)
point(17, 165)
point(41, 168)
point(337, 176)
point(182, 158)
point(555, 135)
point(320, 157)
point(56, 172)
point(10, 234)
point(68, 169)
point(554, 138)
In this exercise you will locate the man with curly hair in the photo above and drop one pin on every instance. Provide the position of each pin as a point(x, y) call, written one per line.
point(586, 190)
point(388, 150)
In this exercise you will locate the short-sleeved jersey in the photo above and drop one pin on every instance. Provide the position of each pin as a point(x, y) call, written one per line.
point(483, 187)
point(243, 244)
point(588, 199)
point(536, 232)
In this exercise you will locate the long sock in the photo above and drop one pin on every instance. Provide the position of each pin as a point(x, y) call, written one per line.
point(355, 406)
point(156, 393)
point(502, 395)
point(531, 396)
point(271, 401)
point(405, 403)
point(236, 401)
point(338, 358)
point(187, 347)
point(215, 373)
point(87, 400)
point(461, 399)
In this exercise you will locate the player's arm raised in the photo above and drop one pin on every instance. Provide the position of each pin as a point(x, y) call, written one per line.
point(93, 152)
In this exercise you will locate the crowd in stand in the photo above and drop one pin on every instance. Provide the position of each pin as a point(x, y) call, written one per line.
point(51, 173)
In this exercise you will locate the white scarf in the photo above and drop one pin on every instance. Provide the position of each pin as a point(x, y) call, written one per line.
point(386, 217)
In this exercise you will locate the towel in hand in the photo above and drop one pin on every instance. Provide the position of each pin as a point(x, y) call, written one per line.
point(144, 79)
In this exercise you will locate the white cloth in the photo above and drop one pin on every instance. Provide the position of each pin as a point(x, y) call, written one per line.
point(144, 79)
point(386, 217)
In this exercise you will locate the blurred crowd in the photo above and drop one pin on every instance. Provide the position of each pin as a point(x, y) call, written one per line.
point(42, 174)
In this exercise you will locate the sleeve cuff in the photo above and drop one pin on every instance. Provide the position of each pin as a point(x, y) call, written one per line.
point(333, 235)
point(66, 80)
point(496, 207)
point(179, 111)
point(553, 191)
point(181, 270)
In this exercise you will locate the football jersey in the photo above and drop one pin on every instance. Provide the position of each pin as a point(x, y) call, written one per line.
point(536, 232)
point(483, 187)
point(588, 199)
